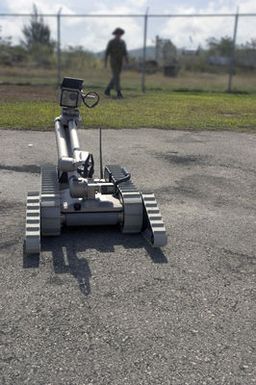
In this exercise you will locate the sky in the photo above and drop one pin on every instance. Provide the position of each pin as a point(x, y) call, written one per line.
point(93, 33)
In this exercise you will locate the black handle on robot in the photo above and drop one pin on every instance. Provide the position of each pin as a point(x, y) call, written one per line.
point(90, 96)
point(122, 180)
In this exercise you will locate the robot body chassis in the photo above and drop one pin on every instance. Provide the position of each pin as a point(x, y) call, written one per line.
point(71, 196)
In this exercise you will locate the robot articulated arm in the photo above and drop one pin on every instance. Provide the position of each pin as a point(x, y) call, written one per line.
point(71, 159)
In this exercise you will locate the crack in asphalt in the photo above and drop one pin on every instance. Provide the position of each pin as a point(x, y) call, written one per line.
point(31, 168)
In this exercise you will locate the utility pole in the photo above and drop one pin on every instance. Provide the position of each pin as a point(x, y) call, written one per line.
point(233, 53)
point(58, 47)
point(143, 72)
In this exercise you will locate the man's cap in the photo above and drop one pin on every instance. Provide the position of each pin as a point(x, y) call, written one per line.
point(118, 31)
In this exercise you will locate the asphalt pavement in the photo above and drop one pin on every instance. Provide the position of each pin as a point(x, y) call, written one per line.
point(100, 307)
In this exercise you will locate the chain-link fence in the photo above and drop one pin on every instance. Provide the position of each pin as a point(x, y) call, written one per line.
point(214, 52)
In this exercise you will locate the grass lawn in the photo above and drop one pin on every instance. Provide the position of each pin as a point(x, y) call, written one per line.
point(167, 110)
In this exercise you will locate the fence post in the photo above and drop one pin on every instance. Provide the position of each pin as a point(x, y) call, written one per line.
point(58, 47)
point(143, 69)
point(233, 52)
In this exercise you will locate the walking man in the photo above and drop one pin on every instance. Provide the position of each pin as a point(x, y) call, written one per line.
point(116, 50)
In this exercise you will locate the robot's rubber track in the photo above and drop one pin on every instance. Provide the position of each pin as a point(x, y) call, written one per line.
point(50, 201)
point(155, 231)
point(49, 181)
point(141, 212)
point(32, 237)
point(130, 197)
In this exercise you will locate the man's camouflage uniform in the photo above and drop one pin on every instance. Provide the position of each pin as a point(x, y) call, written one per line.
point(116, 49)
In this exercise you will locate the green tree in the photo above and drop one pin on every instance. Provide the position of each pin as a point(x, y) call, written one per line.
point(250, 44)
point(222, 46)
point(5, 49)
point(5, 40)
point(37, 39)
point(36, 32)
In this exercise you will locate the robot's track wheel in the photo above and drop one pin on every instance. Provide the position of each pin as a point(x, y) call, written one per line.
point(32, 237)
point(155, 231)
point(50, 201)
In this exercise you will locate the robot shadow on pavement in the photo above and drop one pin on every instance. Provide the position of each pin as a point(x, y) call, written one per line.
point(71, 196)
point(66, 251)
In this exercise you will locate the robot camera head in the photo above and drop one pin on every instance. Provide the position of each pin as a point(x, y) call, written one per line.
point(71, 92)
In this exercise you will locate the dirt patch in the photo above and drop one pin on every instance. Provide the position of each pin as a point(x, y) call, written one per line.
point(14, 93)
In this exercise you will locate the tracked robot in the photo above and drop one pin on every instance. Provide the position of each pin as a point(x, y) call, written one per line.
point(71, 196)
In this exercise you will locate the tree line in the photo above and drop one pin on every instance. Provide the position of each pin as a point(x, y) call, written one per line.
point(37, 48)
